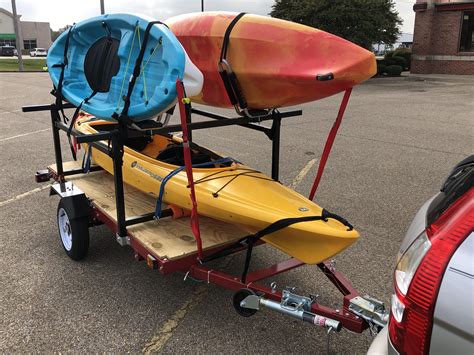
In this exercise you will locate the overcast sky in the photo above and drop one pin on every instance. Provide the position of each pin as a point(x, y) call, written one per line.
point(62, 12)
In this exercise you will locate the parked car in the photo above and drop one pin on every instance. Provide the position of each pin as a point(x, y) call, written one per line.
point(7, 51)
point(432, 308)
point(38, 52)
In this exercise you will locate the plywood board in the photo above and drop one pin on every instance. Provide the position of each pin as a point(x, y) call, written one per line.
point(170, 238)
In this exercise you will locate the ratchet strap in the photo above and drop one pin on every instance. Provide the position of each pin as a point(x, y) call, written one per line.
point(184, 112)
point(249, 241)
point(329, 142)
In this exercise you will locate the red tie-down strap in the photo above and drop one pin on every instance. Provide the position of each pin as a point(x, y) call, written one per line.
point(329, 142)
point(76, 146)
point(182, 101)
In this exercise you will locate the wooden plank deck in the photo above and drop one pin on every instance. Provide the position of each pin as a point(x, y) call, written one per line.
point(170, 238)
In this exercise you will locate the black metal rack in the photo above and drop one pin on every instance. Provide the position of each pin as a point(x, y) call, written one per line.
point(117, 137)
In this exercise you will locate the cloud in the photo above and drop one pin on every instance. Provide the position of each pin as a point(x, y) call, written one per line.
point(62, 12)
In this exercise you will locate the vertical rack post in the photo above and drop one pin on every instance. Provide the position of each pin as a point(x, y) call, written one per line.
point(275, 137)
point(117, 156)
point(57, 141)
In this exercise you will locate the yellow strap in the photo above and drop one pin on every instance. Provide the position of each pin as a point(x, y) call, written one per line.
point(186, 100)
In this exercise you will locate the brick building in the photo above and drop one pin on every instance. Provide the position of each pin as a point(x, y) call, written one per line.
point(443, 41)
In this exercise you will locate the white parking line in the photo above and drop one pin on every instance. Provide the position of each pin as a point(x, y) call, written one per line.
point(9, 112)
point(23, 135)
point(24, 194)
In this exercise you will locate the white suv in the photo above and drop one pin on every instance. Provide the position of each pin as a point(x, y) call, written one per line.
point(38, 52)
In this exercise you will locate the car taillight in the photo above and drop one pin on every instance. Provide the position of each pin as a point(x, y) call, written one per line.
point(408, 263)
point(411, 319)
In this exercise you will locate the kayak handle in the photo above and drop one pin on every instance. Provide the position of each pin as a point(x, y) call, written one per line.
point(325, 77)
point(326, 214)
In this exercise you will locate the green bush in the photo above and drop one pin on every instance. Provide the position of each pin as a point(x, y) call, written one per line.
point(405, 53)
point(389, 54)
point(394, 70)
point(390, 61)
point(400, 61)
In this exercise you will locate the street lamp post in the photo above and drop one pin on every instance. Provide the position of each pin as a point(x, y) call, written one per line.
point(102, 7)
point(202, 5)
point(17, 36)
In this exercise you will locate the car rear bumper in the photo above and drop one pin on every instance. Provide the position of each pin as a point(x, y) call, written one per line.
point(382, 344)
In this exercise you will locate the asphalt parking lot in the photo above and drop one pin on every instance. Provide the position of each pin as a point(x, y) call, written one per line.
point(399, 140)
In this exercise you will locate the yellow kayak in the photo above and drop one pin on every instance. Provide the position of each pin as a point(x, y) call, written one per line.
point(231, 192)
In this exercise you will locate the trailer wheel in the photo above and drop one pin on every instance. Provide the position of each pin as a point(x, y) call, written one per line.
point(73, 232)
point(239, 296)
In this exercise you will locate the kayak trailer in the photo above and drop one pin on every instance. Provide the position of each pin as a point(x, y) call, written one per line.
point(90, 196)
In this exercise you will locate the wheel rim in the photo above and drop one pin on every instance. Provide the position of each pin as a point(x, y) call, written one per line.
point(65, 229)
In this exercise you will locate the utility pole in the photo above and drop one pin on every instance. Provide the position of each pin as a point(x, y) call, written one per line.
point(17, 36)
point(202, 5)
point(102, 7)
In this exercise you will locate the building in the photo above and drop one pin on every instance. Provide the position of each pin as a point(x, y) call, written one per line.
point(443, 40)
point(33, 34)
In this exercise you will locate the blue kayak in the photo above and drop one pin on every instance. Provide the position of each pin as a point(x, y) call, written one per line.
point(100, 57)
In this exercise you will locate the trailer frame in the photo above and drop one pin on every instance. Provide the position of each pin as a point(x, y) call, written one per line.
point(347, 316)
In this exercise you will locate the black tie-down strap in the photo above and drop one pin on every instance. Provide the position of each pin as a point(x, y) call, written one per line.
point(58, 91)
point(249, 241)
point(136, 73)
point(98, 60)
point(229, 78)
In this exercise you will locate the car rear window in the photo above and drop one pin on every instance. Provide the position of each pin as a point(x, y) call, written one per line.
point(457, 184)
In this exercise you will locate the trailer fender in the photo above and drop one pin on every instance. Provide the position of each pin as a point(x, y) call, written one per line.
point(73, 198)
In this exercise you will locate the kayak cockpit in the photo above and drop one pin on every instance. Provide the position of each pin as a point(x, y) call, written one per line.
point(164, 148)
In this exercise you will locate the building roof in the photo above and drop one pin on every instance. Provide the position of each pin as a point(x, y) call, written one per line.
point(8, 13)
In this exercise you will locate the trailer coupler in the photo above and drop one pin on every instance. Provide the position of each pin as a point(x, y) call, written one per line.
point(247, 303)
point(371, 310)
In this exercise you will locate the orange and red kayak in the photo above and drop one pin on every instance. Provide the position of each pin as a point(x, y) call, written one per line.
point(277, 62)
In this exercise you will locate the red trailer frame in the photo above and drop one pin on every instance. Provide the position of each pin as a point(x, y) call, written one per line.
point(352, 314)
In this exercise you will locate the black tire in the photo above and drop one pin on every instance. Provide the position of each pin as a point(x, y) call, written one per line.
point(73, 232)
point(239, 296)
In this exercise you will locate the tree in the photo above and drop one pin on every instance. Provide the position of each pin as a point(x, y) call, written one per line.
point(364, 22)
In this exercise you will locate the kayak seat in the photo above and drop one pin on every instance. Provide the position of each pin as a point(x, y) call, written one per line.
point(173, 154)
point(102, 63)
